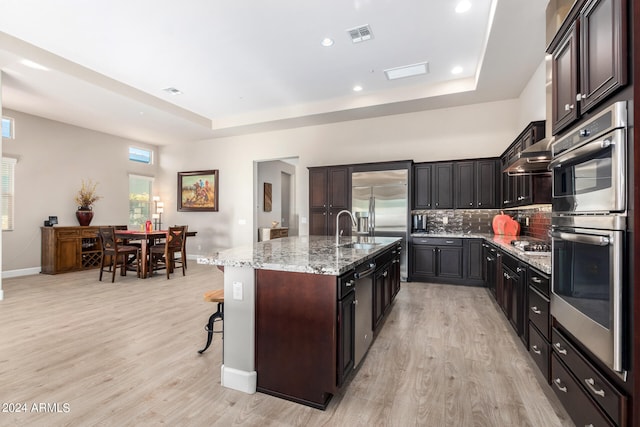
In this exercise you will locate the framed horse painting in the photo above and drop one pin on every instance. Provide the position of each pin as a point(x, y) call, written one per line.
point(198, 191)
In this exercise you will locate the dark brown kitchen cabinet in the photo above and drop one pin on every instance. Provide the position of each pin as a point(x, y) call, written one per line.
point(422, 185)
point(381, 293)
point(473, 256)
point(475, 184)
point(465, 179)
point(442, 190)
point(433, 185)
point(589, 59)
point(346, 334)
point(329, 193)
point(434, 257)
point(486, 183)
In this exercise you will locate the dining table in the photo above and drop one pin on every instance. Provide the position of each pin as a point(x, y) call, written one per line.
point(147, 239)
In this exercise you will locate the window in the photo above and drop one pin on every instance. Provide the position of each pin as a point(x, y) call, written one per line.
point(140, 155)
point(7, 128)
point(8, 172)
point(140, 190)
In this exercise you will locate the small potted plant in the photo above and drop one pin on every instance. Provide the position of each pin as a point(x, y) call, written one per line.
point(85, 199)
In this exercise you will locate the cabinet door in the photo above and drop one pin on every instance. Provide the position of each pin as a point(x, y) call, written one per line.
point(508, 190)
point(603, 58)
point(379, 285)
point(318, 188)
point(442, 190)
point(474, 258)
point(68, 254)
point(346, 338)
point(524, 190)
point(449, 262)
point(339, 190)
point(464, 179)
point(508, 278)
point(422, 186)
point(485, 182)
point(423, 260)
point(564, 65)
point(318, 222)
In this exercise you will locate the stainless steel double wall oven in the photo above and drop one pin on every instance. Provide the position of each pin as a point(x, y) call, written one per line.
point(590, 294)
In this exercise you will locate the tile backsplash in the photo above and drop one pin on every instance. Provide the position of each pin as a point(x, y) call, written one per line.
point(535, 221)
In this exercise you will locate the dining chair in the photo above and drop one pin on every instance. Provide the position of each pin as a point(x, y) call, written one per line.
point(164, 256)
point(186, 230)
point(119, 254)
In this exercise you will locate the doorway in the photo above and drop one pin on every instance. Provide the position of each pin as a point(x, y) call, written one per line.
point(274, 195)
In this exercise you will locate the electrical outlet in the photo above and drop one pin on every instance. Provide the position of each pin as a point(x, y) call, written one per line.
point(237, 291)
point(526, 221)
point(445, 220)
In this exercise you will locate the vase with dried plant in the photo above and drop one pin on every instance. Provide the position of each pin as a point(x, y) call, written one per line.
point(85, 199)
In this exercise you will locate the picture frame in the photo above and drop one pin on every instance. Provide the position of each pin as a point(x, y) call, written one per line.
point(267, 197)
point(198, 191)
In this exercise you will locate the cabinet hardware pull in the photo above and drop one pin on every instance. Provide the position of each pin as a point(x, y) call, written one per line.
point(350, 283)
point(561, 350)
point(479, 203)
point(591, 383)
point(581, 96)
point(519, 270)
point(448, 242)
point(488, 259)
point(536, 280)
point(568, 107)
point(385, 274)
point(557, 383)
point(535, 310)
point(534, 348)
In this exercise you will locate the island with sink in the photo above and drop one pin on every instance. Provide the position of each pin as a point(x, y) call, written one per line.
point(301, 312)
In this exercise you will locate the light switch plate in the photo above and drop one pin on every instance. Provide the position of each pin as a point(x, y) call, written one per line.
point(237, 291)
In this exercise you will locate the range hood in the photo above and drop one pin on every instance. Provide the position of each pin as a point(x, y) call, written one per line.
point(535, 158)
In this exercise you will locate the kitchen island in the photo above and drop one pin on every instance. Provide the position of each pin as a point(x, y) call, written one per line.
point(301, 312)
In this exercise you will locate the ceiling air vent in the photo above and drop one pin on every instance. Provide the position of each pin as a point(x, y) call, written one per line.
point(360, 34)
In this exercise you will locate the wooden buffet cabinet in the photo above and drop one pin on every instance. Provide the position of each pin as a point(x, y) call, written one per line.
point(66, 249)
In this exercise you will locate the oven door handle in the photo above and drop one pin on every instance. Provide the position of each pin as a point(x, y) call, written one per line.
point(582, 238)
point(584, 151)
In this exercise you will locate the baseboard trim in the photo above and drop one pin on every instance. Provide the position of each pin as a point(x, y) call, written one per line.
point(21, 272)
point(239, 380)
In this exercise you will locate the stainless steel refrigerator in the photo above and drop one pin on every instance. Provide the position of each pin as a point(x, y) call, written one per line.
point(383, 197)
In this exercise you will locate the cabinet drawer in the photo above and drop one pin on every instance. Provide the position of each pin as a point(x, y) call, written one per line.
point(539, 350)
point(67, 233)
point(437, 241)
point(538, 311)
point(577, 403)
point(595, 384)
point(539, 281)
point(90, 233)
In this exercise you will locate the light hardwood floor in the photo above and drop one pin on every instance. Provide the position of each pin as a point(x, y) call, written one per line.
point(125, 354)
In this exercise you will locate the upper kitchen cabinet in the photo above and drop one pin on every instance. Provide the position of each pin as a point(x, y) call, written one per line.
point(475, 184)
point(589, 59)
point(329, 193)
point(433, 185)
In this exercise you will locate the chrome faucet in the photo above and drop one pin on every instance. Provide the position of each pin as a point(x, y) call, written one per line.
point(338, 231)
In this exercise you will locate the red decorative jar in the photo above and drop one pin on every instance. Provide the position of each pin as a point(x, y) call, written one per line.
point(84, 215)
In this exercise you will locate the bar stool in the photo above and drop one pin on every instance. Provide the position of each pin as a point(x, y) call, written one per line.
point(214, 296)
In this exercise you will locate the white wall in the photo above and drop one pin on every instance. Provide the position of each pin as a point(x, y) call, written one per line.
point(53, 158)
point(533, 104)
point(271, 172)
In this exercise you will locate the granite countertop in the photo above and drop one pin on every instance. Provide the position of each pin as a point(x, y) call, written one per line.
point(541, 262)
point(306, 254)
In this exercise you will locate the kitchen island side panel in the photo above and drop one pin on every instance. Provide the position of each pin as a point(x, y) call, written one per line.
point(296, 335)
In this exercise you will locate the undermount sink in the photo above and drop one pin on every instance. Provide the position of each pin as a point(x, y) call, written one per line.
point(361, 246)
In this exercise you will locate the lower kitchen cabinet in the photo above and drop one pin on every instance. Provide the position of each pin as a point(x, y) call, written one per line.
point(436, 259)
point(513, 295)
point(592, 392)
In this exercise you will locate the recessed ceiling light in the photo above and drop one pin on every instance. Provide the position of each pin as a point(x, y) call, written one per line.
point(172, 91)
point(327, 42)
point(407, 71)
point(463, 6)
point(33, 65)
point(456, 70)
point(357, 88)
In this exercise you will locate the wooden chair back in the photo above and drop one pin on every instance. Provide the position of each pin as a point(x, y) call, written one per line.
point(108, 238)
